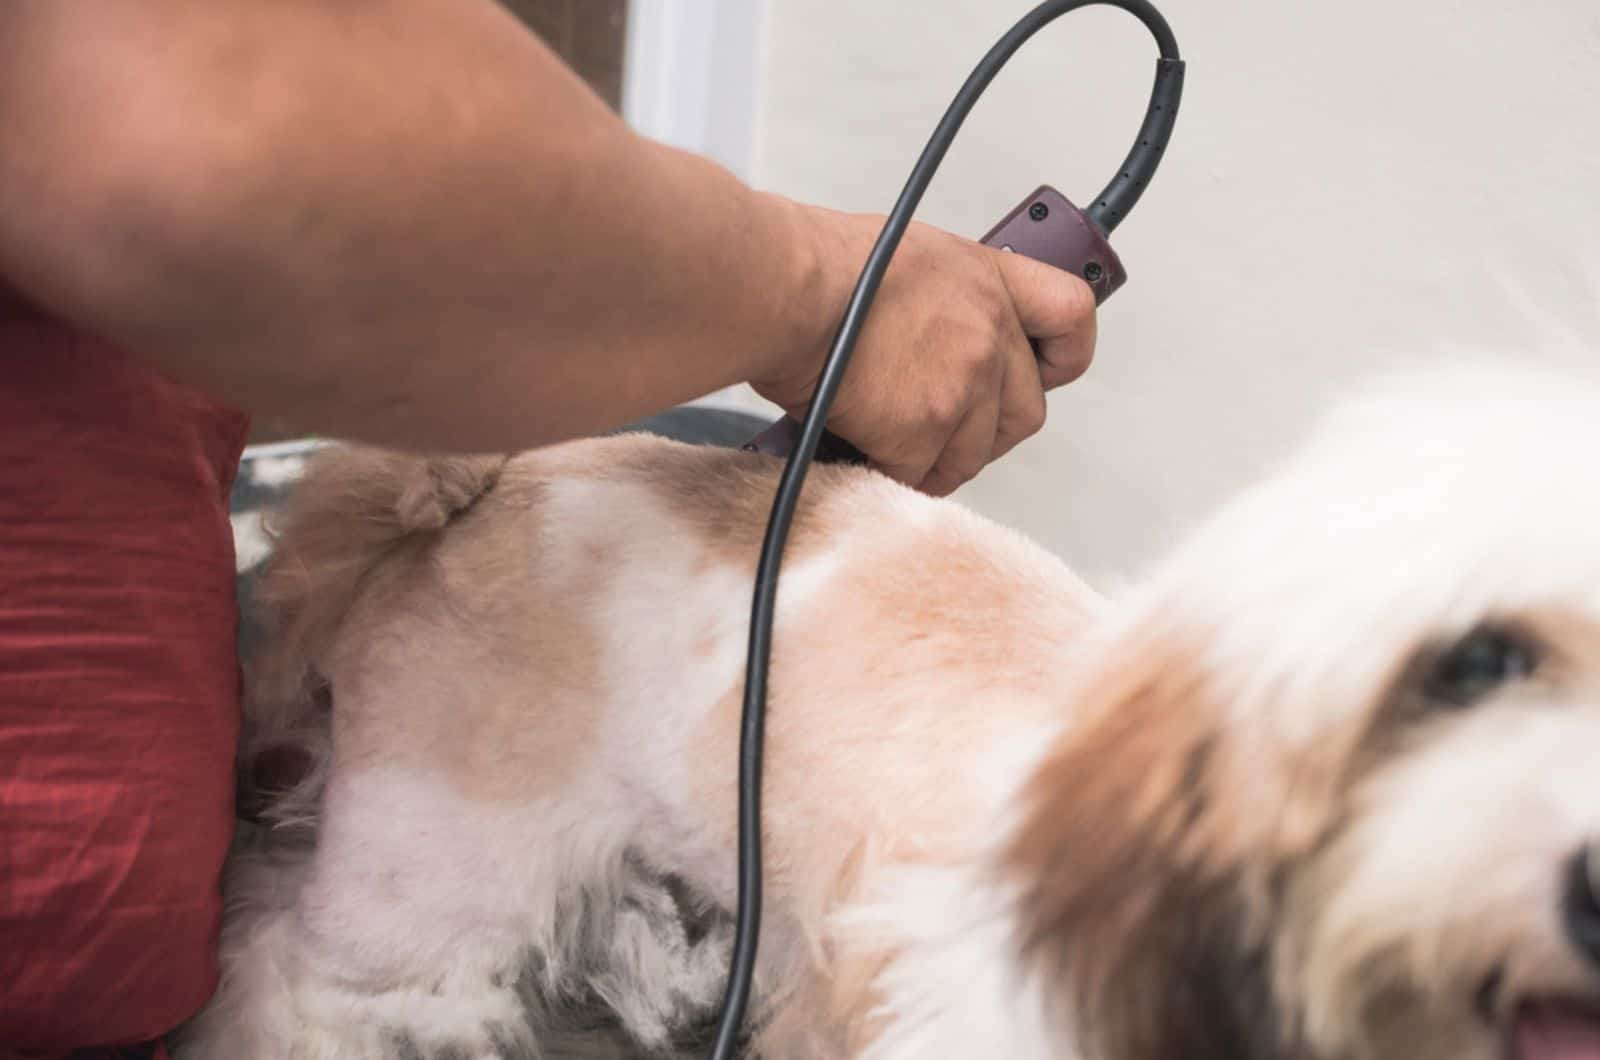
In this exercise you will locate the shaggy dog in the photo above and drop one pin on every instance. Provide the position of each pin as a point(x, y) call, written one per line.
point(1323, 785)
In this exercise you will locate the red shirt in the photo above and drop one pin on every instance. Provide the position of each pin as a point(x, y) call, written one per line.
point(119, 689)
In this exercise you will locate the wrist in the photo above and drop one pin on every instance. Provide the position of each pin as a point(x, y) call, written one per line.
point(820, 266)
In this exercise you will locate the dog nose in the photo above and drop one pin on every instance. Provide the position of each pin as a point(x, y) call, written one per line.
point(1581, 902)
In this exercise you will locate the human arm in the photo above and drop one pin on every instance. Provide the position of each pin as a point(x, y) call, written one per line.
point(406, 221)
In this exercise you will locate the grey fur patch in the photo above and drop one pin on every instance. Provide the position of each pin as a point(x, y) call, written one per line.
point(648, 975)
point(403, 1047)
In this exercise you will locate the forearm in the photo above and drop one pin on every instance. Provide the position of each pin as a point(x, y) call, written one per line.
point(401, 221)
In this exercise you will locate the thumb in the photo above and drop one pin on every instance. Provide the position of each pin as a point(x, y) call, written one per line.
point(1057, 312)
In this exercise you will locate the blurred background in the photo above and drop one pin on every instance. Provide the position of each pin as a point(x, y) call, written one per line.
point(1352, 186)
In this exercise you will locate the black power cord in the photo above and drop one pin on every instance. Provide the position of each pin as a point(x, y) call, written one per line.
point(1110, 206)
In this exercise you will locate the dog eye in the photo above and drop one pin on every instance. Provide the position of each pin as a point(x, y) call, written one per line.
point(1478, 664)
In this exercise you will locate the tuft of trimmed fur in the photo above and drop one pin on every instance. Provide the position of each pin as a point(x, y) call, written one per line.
point(354, 508)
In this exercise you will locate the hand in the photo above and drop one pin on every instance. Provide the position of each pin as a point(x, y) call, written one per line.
point(944, 378)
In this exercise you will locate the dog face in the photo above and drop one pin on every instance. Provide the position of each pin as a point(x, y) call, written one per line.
point(1335, 793)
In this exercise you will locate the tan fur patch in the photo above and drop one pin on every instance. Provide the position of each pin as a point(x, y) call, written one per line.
point(1135, 892)
point(498, 651)
point(932, 620)
point(723, 497)
point(355, 508)
point(1136, 773)
point(497, 674)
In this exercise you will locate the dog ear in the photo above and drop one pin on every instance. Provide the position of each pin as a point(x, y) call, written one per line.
point(1151, 932)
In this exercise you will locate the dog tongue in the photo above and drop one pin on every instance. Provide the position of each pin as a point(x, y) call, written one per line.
point(1554, 1033)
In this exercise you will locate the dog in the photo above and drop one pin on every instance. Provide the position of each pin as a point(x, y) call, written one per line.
point(1322, 784)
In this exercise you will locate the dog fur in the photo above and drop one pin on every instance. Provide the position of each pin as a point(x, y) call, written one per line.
point(1224, 814)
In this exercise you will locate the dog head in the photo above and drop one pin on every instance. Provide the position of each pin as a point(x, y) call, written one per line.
point(1333, 790)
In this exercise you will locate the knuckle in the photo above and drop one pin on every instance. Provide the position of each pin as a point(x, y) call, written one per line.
point(1023, 419)
point(978, 367)
point(1034, 414)
point(947, 406)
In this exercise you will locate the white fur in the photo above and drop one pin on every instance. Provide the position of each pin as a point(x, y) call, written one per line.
point(953, 987)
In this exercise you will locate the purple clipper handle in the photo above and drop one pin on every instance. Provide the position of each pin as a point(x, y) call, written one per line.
point(1045, 226)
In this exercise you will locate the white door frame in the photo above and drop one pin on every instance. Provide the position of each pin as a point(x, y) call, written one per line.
point(692, 78)
point(692, 75)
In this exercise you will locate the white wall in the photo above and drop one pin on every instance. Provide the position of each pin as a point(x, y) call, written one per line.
point(690, 72)
point(1350, 183)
